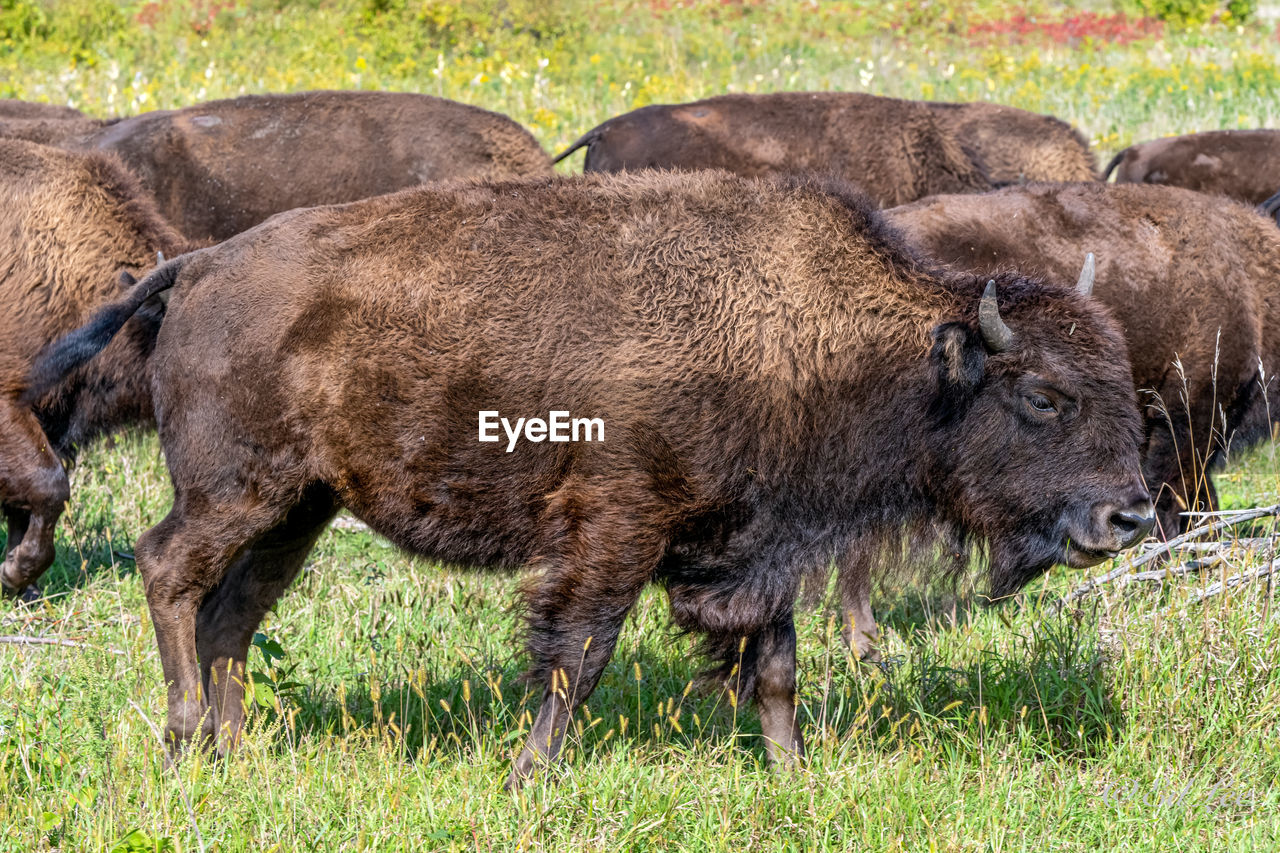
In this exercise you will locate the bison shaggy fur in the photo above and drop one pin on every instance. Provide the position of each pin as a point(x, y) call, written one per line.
point(778, 377)
point(71, 223)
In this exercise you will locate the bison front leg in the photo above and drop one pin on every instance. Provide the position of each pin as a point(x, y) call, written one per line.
point(775, 660)
point(33, 491)
point(574, 627)
point(857, 622)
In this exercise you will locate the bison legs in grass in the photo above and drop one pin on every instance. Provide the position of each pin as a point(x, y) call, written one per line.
point(605, 551)
point(33, 491)
point(212, 569)
point(232, 612)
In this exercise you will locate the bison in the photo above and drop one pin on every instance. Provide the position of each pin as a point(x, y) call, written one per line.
point(63, 132)
point(895, 151)
point(776, 376)
point(221, 167)
point(1017, 146)
point(14, 108)
point(71, 221)
point(48, 124)
point(1193, 280)
point(1240, 164)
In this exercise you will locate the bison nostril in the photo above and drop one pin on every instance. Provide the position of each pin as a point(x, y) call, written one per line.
point(1132, 525)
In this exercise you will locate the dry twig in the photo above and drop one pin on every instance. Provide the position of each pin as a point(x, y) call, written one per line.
point(19, 640)
point(1224, 520)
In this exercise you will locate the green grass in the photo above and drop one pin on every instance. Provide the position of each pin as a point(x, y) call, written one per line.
point(1132, 723)
point(1135, 722)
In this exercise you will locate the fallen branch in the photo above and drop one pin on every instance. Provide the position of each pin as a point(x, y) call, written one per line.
point(1254, 542)
point(19, 640)
point(1233, 581)
point(1227, 519)
point(1174, 571)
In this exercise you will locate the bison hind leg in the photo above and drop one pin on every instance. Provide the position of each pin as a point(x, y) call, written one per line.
point(232, 611)
point(33, 491)
point(182, 560)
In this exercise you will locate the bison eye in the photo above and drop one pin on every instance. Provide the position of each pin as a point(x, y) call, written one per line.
point(1041, 403)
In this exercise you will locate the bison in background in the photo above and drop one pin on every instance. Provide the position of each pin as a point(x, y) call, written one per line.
point(219, 168)
point(71, 222)
point(1017, 146)
point(895, 151)
point(1240, 164)
point(779, 378)
point(18, 109)
point(1193, 280)
point(67, 132)
point(48, 124)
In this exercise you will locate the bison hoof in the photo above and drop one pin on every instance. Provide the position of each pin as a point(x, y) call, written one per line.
point(27, 593)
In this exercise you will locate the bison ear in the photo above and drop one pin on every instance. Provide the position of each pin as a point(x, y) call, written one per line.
point(959, 356)
point(126, 280)
point(959, 361)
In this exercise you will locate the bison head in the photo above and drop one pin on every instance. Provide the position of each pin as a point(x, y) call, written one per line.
point(1036, 431)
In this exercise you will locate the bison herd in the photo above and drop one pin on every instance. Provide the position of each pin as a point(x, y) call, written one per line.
point(313, 297)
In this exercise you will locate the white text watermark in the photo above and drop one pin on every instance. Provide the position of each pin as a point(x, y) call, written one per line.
point(558, 427)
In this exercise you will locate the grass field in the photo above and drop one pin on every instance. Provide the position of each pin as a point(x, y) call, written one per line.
point(387, 694)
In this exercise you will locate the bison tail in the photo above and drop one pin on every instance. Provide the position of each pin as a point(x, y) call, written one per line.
point(75, 349)
point(583, 141)
point(1111, 167)
point(1271, 208)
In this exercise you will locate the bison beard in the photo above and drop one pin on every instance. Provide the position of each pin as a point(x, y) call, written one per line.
point(782, 383)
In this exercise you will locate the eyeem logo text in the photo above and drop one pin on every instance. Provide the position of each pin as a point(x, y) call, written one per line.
point(557, 427)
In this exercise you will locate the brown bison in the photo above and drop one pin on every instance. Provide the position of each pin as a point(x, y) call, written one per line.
point(219, 168)
point(71, 222)
point(1017, 146)
point(14, 108)
point(1193, 280)
point(895, 151)
point(63, 132)
point(774, 377)
point(1240, 164)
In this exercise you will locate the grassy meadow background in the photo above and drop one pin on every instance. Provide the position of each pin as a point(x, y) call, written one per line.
point(387, 699)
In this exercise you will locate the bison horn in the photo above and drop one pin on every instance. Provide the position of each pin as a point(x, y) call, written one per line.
point(159, 258)
point(997, 335)
point(1085, 284)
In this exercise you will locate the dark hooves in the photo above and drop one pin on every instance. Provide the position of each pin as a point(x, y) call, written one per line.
point(29, 594)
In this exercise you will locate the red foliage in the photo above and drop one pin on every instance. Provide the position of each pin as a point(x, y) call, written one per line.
point(203, 13)
point(734, 5)
point(1118, 28)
